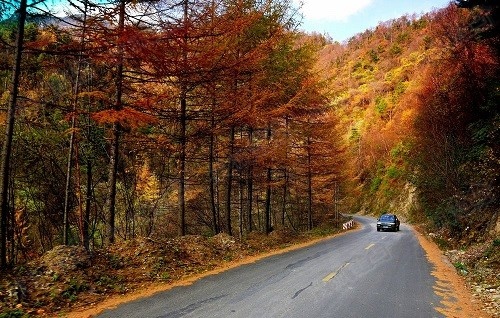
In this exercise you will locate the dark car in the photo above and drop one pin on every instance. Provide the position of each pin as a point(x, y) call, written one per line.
point(388, 222)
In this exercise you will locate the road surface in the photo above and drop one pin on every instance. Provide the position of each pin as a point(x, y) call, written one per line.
point(363, 273)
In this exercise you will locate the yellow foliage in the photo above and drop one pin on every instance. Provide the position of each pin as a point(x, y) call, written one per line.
point(148, 186)
point(340, 98)
point(95, 95)
point(4, 99)
point(407, 116)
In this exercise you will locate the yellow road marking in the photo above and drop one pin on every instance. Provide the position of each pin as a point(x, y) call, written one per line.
point(369, 246)
point(329, 276)
point(332, 275)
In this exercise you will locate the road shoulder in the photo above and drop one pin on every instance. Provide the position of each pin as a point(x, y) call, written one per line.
point(457, 300)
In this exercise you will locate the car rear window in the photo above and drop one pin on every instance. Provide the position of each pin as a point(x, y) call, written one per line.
point(387, 218)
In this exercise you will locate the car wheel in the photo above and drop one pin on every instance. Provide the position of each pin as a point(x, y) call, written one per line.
point(378, 230)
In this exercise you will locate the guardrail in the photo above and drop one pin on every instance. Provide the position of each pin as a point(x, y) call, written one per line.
point(348, 225)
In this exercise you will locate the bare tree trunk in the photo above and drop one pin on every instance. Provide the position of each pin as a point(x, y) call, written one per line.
point(9, 132)
point(335, 203)
point(182, 169)
point(112, 173)
point(285, 195)
point(69, 167)
point(79, 196)
point(309, 186)
point(115, 139)
point(211, 176)
point(285, 176)
point(88, 202)
point(230, 181)
point(268, 202)
point(241, 207)
point(11, 231)
point(250, 187)
point(89, 187)
point(182, 137)
point(268, 189)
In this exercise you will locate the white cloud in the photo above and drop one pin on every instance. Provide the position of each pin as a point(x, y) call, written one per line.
point(336, 10)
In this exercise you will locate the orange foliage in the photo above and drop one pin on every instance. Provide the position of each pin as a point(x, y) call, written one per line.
point(127, 117)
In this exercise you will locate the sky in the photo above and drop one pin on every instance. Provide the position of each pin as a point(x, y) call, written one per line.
point(341, 19)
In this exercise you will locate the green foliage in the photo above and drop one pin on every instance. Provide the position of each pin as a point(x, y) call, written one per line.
point(355, 134)
point(74, 287)
point(374, 57)
point(427, 42)
point(403, 37)
point(323, 230)
point(492, 253)
point(165, 276)
point(400, 150)
point(70, 291)
point(420, 24)
point(395, 50)
point(393, 172)
point(445, 214)
point(461, 267)
point(31, 31)
point(442, 243)
point(375, 184)
point(106, 280)
point(16, 313)
point(8, 31)
point(363, 72)
point(110, 282)
point(160, 269)
point(399, 90)
point(115, 261)
point(357, 66)
point(381, 105)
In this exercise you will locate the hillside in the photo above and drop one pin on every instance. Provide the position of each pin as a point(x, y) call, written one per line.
point(417, 98)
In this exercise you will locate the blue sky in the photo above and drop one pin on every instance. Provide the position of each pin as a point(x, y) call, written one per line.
point(341, 19)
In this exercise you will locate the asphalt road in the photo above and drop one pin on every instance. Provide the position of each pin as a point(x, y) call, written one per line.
point(363, 273)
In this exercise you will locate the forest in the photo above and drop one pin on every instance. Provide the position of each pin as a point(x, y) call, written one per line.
point(417, 98)
point(164, 119)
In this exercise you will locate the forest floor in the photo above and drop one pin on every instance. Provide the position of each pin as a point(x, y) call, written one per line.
point(69, 282)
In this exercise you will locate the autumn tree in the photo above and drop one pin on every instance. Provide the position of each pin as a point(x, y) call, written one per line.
point(455, 118)
point(223, 61)
point(84, 220)
point(117, 41)
point(37, 43)
point(9, 131)
point(135, 114)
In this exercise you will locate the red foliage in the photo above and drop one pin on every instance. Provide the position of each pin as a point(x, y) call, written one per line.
point(127, 117)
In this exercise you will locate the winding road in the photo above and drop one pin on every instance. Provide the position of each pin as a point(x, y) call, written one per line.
point(363, 273)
